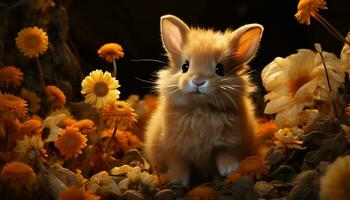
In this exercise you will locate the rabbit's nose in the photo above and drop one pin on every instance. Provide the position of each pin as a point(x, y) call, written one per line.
point(198, 82)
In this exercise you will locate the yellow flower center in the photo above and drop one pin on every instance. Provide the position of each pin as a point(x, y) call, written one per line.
point(101, 89)
point(32, 41)
point(296, 84)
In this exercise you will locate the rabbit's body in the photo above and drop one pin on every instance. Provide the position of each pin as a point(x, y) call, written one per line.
point(204, 122)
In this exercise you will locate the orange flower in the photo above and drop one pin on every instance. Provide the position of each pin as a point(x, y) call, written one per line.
point(73, 193)
point(12, 106)
point(347, 110)
point(86, 126)
point(17, 174)
point(119, 113)
point(202, 193)
point(309, 8)
point(232, 177)
point(110, 52)
point(124, 140)
point(32, 41)
point(266, 130)
point(32, 99)
point(55, 96)
point(31, 127)
point(253, 166)
point(10, 76)
point(66, 121)
point(71, 142)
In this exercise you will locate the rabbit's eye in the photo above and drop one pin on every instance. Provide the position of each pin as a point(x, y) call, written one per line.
point(185, 66)
point(219, 69)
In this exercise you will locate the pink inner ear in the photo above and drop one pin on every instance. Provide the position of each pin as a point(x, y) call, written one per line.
point(247, 44)
point(172, 34)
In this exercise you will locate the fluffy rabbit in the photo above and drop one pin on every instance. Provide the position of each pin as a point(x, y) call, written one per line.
point(204, 123)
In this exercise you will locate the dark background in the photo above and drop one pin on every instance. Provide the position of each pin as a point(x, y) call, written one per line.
point(135, 25)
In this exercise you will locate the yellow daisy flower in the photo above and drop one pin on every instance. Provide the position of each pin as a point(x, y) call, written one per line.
point(32, 41)
point(110, 52)
point(100, 89)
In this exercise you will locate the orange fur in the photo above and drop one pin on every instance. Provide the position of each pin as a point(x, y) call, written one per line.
point(204, 133)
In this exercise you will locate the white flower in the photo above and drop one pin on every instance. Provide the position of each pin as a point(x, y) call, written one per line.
point(293, 82)
point(102, 183)
point(345, 55)
point(134, 175)
point(308, 116)
point(51, 123)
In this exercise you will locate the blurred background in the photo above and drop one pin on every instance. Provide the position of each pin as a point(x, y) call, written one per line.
point(77, 28)
point(135, 25)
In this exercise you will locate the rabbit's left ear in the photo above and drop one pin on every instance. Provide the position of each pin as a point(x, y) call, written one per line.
point(245, 42)
point(174, 34)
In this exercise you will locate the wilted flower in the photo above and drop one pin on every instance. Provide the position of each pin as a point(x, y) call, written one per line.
point(286, 138)
point(308, 9)
point(100, 89)
point(119, 113)
point(51, 122)
point(32, 41)
point(17, 174)
point(110, 52)
point(101, 184)
point(253, 166)
point(335, 183)
point(294, 82)
point(30, 148)
point(10, 76)
point(71, 142)
point(32, 99)
point(202, 193)
point(55, 97)
point(73, 193)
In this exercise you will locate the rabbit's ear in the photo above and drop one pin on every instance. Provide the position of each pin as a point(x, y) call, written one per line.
point(174, 34)
point(245, 42)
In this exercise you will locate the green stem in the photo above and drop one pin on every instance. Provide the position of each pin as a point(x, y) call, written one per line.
point(40, 72)
point(114, 74)
point(85, 166)
point(328, 83)
point(331, 29)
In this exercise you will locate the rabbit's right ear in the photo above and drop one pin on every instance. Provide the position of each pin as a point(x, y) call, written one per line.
point(174, 34)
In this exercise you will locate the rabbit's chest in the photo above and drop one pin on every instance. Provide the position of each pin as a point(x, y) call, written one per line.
point(196, 134)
